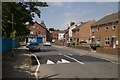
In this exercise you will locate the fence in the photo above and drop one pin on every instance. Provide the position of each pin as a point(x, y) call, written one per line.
point(8, 44)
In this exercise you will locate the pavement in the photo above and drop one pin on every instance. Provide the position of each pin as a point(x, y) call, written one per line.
point(17, 66)
point(108, 57)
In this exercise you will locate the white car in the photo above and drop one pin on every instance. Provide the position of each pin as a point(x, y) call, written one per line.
point(47, 43)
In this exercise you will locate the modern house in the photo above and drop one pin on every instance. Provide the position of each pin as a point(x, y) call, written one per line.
point(38, 32)
point(105, 33)
point(82, 32)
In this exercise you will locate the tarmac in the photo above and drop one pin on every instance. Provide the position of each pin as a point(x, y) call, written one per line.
point(18, 66)
point(108, 57)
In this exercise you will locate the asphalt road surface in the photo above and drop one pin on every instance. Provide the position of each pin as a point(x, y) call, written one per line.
point(56, 62)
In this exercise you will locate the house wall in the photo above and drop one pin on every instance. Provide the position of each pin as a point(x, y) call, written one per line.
point(54, 35)
point(70, 31)
point(66, 36)
point(102, 33)
point(85, 31)
point(38, 30)
point(60, 36)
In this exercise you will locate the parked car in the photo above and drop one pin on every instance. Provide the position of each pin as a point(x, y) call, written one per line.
point(34, 46)
point(47, 43)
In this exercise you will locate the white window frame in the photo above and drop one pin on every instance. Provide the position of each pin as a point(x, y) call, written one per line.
point(97, 28)
point(98, 40)
point(113, 24)
point(93, 29)
point(106, 27)
point(107, 39)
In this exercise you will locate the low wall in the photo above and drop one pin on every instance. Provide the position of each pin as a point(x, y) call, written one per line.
point(8, 44)
point(87, 48)
point(108, 51)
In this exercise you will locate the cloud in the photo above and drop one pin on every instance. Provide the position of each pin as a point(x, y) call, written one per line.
point(56, 4)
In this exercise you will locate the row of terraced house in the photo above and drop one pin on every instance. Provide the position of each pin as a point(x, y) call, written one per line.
point(103, 34)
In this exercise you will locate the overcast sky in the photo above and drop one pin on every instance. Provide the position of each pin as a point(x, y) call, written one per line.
point(59, 14)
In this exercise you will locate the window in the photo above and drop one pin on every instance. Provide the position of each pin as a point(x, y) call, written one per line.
point(98, 40)
point(92, 29)
point(113, 25)
point(97, 28)
point(39, 32)
point(106, 28)
point(107, 41)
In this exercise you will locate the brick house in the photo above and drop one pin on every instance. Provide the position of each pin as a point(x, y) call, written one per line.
point(39, 30)
point(82, 32)
point(54, 35)
point(105, 33)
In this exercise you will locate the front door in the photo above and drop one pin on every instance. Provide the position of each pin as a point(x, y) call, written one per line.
point(114, 42)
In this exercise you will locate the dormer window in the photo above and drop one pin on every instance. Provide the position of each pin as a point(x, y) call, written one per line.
point(113, 25)
point(106, 27)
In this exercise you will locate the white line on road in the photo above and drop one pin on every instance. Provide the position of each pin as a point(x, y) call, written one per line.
point(73, 59)
point(36, 75)
point(50, 62)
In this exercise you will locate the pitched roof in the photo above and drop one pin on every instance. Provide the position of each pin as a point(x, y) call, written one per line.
point(39, 25)
point(107, 19)
point(77, 27)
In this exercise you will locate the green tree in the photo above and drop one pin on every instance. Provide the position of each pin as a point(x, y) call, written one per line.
point(16, 14)
point(51, 29)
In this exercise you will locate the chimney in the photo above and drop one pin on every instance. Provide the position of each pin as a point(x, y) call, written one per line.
point(72, 23)
point(42, 23)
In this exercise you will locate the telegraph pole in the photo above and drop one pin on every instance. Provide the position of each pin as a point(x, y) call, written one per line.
point(12, 37)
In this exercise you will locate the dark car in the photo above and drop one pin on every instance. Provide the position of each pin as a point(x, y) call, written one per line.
point(34, 46)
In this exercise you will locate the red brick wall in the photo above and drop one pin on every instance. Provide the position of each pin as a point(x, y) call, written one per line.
point(102, 33)
point(87, 48)
point(84, 32)
point(108, 51)
point(36, 29)
point(54, 36)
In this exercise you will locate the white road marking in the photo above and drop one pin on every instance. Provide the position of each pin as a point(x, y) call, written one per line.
point(50, 62)
point(73, 59)
point(70, 54)
point(59, 62)
point(36, 71)
point(60, 53)
point(65, 61)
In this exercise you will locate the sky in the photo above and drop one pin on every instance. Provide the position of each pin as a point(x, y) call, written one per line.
point(58, 15)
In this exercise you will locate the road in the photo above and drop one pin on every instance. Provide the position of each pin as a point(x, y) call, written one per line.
point(57, 62)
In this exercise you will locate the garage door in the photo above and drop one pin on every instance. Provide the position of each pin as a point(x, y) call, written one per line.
point(39, 40)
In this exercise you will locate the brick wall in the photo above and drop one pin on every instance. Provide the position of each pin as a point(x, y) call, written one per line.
point(108, 51)
point(87, 48)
